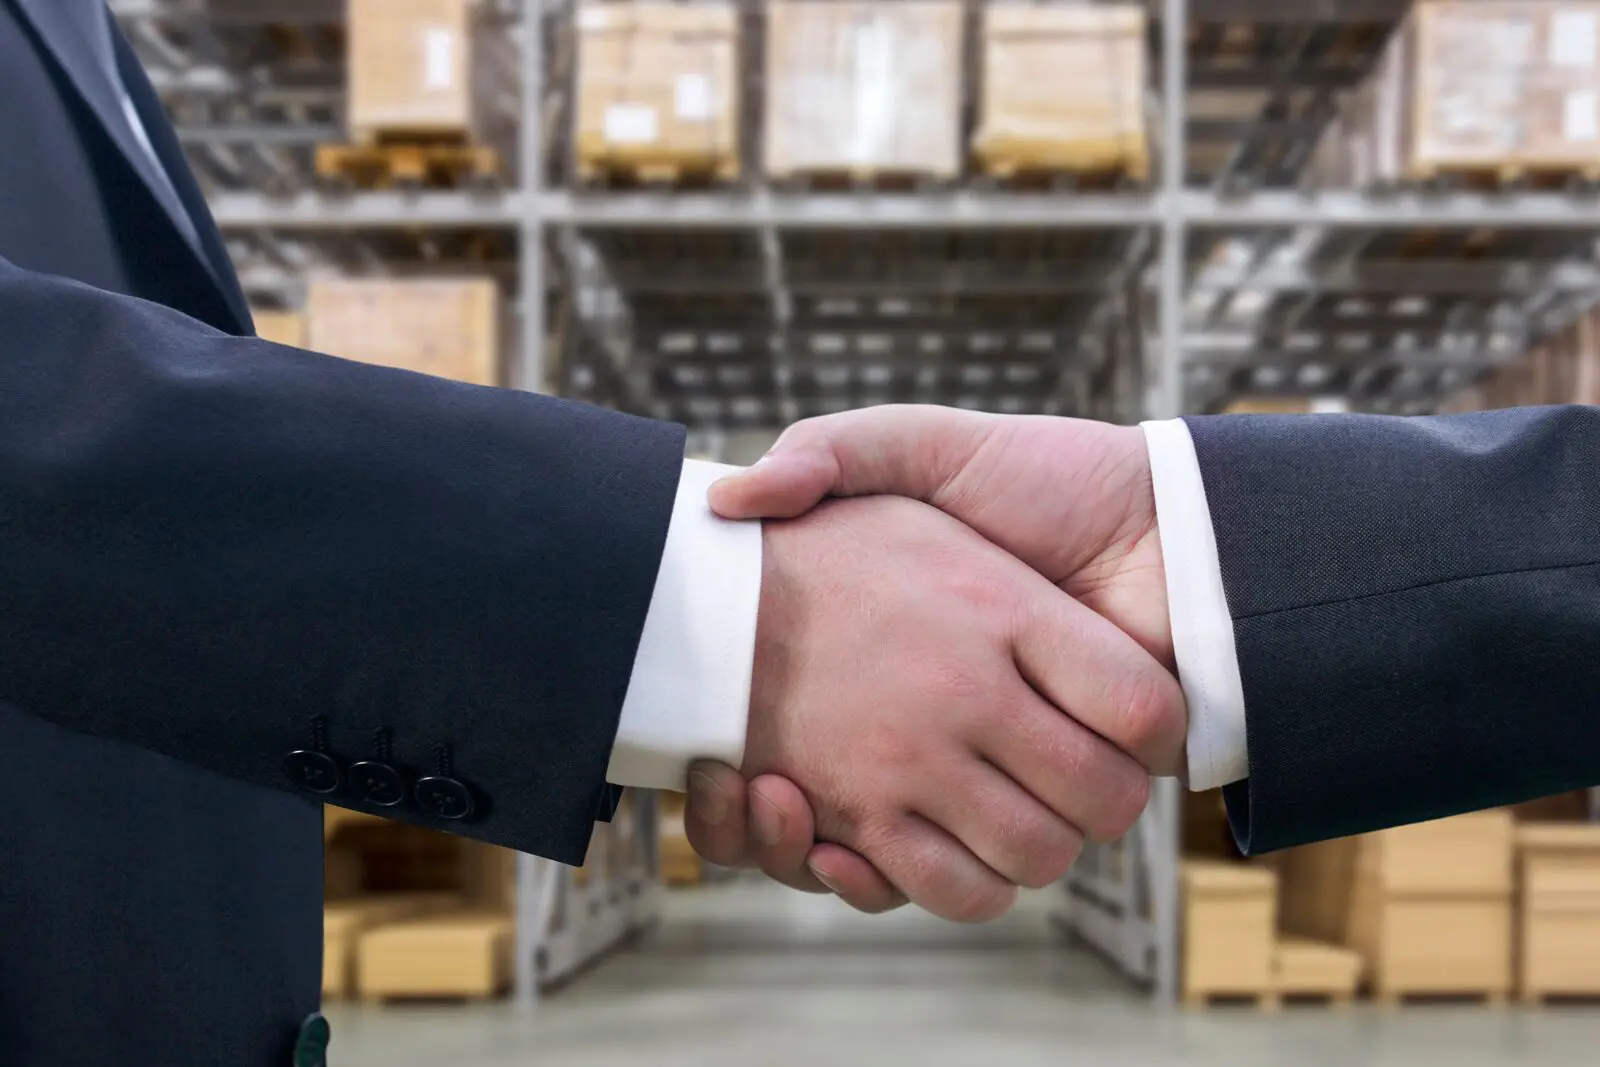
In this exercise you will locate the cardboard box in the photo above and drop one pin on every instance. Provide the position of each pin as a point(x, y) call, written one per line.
point(452, 954)
point(658, 89)
point(448, 327)
point(1558, 910)
point(1474, 86)
point(1564, 369)
point(1063, 89)
point(281, 327)
point(343, 923)
point(1228, 921)
point(422, 69)
point(1302, 967)
point(1435, 945)
point(1464, 855)
point(861, 88)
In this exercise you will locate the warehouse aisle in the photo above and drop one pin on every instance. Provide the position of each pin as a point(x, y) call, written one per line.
point(751, 975)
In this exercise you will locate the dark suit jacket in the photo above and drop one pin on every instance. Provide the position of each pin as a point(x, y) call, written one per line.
point(216, 552)
point(1416, 604)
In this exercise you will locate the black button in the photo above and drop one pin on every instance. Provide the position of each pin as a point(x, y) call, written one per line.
point(444, 798)
point(311, 1048)
point(311, 770)
point(378, 783)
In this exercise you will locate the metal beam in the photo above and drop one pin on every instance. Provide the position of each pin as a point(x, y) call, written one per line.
point(1528, 210)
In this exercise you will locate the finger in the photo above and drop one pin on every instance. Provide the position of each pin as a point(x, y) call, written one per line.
point(1079, 775)
point(938, 873)
point(1096, 673)
point(782, 832)
point(1004, 825)
point(853, 879)
point(902, 449)
point(714, 818)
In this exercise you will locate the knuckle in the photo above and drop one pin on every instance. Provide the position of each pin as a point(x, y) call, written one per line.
point(1050, 866)
point(1124, 801)
point(1150, 708)
point(989, 899)
point(1042, 851)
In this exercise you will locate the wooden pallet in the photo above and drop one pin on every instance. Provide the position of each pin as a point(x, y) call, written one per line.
point(384, 164)
point(1393, 1000)
point(1500, 178)
point(1266, 1001)
point(656, 174)
point(1019, 175)
point(1549, 999)
point(861, 180)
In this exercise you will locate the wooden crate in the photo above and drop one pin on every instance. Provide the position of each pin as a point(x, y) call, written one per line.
point(447, 327)
point(658, 92)
point(1228, 920)
point(444, 955)
point(1304, 968)
point(863, 91)
point(281, 327)
point(1558, 951)
point(1031, 124)
point(344, 922)
point(417, 70)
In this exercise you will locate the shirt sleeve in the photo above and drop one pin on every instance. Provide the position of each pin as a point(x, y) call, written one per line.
point(689, 695)
point(1202, 627)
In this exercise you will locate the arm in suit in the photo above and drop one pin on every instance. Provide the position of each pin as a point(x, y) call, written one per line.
point(228, 550)
point(1415, 606)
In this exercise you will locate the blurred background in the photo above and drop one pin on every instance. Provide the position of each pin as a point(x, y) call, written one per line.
point(738, 214)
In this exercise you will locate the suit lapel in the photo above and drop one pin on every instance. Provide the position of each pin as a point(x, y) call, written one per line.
point(170, 154)
point(76, 58)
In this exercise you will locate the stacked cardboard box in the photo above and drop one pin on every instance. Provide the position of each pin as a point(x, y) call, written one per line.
point(1565, 369)
point(658, 90)
point(1428, 906)
point(281, 327)
point(449, 327)
point(1559, 910)
point(680, 864)
point(1229, 913)
point(1033, 120)
point(422, 69)
point(863, 89)
point(437, 890)
point(1495, 87)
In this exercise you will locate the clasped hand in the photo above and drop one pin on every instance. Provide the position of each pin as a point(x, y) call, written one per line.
point(962, 674)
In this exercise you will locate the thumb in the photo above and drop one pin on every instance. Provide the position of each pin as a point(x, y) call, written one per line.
point(904, 449)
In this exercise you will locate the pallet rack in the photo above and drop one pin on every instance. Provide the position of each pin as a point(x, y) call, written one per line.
point(726, 308)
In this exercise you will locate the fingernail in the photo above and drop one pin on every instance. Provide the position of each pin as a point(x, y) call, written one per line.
point(766, 820)
point(708, 798)
point(822, 876)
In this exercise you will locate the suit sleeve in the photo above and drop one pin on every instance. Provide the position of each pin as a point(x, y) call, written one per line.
point(229, 551)
point(1416, 611)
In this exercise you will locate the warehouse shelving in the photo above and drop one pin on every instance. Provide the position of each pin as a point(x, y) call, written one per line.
point(729, 308)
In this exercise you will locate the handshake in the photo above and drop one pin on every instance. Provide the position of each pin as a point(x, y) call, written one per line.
point(962, 674)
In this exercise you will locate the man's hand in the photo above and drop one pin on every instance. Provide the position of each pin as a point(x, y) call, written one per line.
point(1071, 498)
point(944, 713)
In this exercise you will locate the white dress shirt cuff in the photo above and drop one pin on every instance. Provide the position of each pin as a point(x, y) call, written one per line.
point(1202, 628)
point(689, 696)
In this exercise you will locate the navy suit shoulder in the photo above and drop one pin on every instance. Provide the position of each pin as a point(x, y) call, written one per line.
point(1415, 602)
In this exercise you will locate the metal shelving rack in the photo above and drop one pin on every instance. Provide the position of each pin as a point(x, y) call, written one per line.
point(751, 306)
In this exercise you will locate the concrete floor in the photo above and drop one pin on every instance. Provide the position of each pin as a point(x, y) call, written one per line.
point(748, 975)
